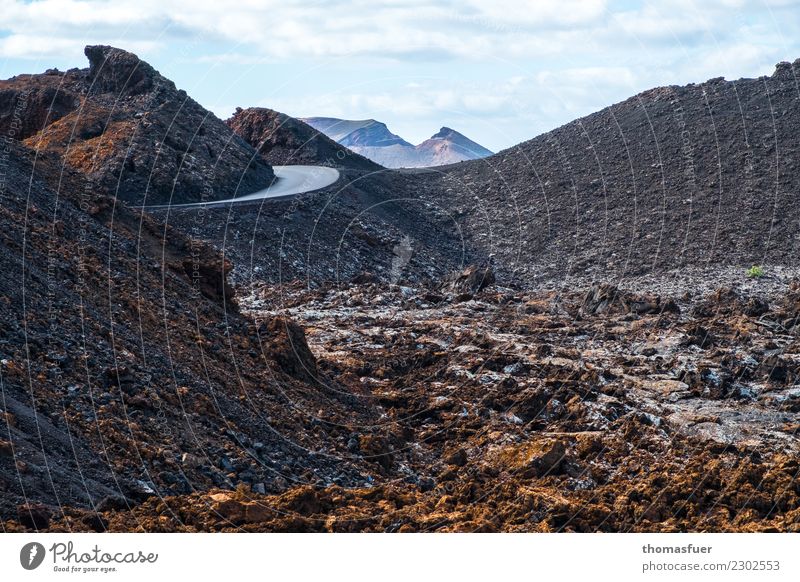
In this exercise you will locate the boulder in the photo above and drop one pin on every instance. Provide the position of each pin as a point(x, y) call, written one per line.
point(285, 341)
point(470, 280)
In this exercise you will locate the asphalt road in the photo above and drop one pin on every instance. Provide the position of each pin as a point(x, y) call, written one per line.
point(290, 181)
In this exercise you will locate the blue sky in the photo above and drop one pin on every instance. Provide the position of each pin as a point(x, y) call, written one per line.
point(500, 71)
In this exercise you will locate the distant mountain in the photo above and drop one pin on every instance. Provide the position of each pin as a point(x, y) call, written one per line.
point(448, 146)
point(356, 133)
point(372, 139)
point(283, 140)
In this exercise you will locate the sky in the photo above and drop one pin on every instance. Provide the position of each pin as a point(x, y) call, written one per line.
point(499, 71)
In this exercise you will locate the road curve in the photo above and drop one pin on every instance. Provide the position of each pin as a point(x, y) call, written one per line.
point(289, 181)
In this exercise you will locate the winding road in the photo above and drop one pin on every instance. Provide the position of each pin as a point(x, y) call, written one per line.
point(289, 181)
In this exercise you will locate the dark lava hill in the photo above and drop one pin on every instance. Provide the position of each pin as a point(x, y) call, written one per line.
point(131, 131)
point(281, 140)
point(674, 177)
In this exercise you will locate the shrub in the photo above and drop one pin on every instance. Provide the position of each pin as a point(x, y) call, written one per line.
point(755, 272)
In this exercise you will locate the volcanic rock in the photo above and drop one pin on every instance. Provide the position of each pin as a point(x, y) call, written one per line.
point(130, 131)
point(282, 140)
point(285, 341)
point(470, 280)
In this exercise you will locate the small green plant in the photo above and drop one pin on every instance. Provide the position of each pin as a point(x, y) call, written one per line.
point(755, 271)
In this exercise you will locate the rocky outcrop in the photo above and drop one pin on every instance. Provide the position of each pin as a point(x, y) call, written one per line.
point(130, 131)
point(283, 140)
point(470, 280)
point(113, 70)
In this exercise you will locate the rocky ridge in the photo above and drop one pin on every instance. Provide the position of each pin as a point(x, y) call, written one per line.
point(130, 131)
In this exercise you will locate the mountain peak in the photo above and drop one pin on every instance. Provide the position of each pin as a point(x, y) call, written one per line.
point(356, 133)
point(459, 147)
point(445, 132)
point(119, 71)
point(374, 140)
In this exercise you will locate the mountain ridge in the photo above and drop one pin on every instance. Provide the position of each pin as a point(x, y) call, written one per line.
point(373, 140)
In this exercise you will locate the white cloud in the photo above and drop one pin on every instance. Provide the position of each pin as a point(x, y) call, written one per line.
point(293, 28)
point(413, 30)
point(58, 14)
point(41, 46)
point(529, 104)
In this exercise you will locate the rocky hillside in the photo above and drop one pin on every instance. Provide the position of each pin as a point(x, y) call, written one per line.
point(130, 131)
point(373, 140)
point(673, 178)
point(379, 224)
point(283, 140)
point(127, 368)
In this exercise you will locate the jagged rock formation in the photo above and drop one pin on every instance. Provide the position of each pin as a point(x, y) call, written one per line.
point(283, 140)
point(373, 140)
point(131, 131)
